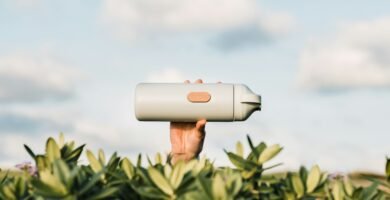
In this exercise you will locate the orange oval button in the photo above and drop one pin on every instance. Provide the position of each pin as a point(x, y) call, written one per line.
point(199, 97)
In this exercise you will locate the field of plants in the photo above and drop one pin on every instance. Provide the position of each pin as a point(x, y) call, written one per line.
point(57, 174)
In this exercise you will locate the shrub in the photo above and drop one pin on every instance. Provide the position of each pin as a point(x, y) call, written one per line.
point(58, 175)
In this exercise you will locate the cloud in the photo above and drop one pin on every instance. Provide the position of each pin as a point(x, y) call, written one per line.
point(23, 6)
point(134, 19)
point(240, 38)
point(33, 126)
point(20, 123)
point(166, 75)
point(27, 3)
point(265, 30)
point(358, 56)
point(26, 78)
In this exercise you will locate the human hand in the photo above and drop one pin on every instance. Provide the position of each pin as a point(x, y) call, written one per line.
point(187, 137)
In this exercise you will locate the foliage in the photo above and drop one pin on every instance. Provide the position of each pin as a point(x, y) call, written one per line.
point(59, 175)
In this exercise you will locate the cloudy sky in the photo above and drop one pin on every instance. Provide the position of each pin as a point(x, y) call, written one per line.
point(322, 68)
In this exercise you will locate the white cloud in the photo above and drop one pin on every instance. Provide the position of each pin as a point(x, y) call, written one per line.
point(27, 3)
point(26, 78)
point(133, 19)
point(166, 75)
point(174, 15)
point(34, 125)
point(23, 5)
point(358, 56)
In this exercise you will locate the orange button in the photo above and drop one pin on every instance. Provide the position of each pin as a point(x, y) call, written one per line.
point(199, 97)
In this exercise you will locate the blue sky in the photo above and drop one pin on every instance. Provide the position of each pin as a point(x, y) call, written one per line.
point(322, 68)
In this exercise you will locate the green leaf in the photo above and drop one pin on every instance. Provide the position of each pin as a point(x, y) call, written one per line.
point(337, 191)
point(5, 177)
point(272, 166)
point(104, 194)
point(53, 182)
point(70, 144)
point(298, 185)
point(113, 163)
point(248, 174)
point(61, 140)
point(75, 154)
point(149, 161)
point(187, 184)
point(236, 184)
point(143, 174)
point(218, 188)
point(369, 192)
point(52, 150)
point(324, 178)
point(177, 174)
point(128, 168)
point(167, 170)
point(313, 178)
point(269, 153)
point(388, 168)
point(113, 158)
point(8, 192)
point(266, 190)
point(240, 162)
point(65, 151)
point(160, 181)
point(41, 162)
point(158, 158)
point(94, 163)
point(348, 187)
point(91, 182)
point(240, 149)
point(199, 166)
point(254, 154)
point(303, 173)
point(21, 186)
point(149, 192)
point(102, 157)
point(250, 142)
point(289, 196)
point(190, 165)
point(42, 189)
point(61, 170)
point(139, 160)
point(29, 151)
point(205, 186)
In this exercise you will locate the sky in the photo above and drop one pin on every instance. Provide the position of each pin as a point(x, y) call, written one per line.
point(321, 67)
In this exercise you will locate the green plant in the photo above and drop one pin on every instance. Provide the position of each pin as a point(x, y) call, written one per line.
point(60, 175)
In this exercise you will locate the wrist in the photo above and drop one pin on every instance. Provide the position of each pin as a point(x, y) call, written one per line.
point(175, 157)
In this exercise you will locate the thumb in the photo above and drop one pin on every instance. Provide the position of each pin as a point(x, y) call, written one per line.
point(200, 124)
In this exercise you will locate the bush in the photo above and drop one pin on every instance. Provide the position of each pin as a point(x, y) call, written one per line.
point(58, 175)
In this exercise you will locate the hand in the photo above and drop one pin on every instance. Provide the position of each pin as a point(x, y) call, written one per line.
point(187, 138)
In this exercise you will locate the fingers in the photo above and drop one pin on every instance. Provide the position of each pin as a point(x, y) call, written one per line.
point(199, 81)
point(200, 124)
